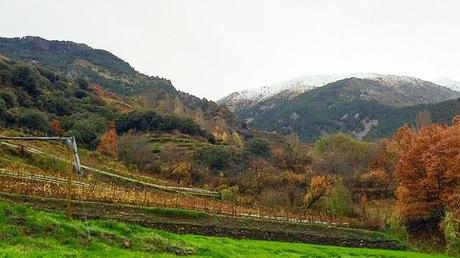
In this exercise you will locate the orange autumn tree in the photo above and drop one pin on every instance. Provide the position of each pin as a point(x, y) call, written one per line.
point(56, 129)
point(378, 181)
point(319, 187)
point(429, 175)
point(109, 142)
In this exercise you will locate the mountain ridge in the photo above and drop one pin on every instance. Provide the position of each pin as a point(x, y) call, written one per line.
point(294, 87)
point(356, 106)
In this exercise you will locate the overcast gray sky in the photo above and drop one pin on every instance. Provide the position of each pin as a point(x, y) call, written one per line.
point(211, 48)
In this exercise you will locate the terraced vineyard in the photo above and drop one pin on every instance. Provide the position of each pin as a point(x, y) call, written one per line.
point(111, 187)
point(180, 141)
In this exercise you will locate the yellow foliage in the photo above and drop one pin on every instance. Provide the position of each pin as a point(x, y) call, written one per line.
point(319, 186)
point(182, 169)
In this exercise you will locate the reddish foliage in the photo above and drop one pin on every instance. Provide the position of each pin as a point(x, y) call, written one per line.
point(109, 143)
point(429, 172)
point(56, 129)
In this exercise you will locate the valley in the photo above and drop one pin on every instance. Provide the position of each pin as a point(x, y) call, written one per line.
point(319, 166)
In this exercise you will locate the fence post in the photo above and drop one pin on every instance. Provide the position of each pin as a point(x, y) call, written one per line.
point(144, 202)
point(69, 194)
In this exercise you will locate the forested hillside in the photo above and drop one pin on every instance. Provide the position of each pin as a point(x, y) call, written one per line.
point(74, 61)
point(79, 60)
point(38, 100)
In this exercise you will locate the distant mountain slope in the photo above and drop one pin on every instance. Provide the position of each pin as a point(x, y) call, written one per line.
point(356, 106)
point(74, 60)
point(441, 113)
point(242, 100)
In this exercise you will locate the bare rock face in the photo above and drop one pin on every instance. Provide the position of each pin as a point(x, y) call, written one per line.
point(366, 127)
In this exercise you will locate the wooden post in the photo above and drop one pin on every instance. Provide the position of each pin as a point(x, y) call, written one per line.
point(69, 194)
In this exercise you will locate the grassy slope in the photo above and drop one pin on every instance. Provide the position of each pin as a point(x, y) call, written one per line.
point(194, 222)
point(25, 232)
point(87, 157)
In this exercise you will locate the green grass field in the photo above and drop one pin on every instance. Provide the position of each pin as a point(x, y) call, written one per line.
point(28, 233)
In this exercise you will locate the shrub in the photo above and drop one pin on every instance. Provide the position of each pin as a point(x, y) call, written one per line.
point(87, 130)
point(226, 195)
point(451, 230)
point(394, 227)
point(60, 85)
point(216, 157)
point(10, 98)
point(5, 73)
point(229, 194)
point(3, 107)
point(259, 147)
point(181, 171)
point(28, 78)
point(82, 83)
point(59, 105)
point(341, 154)
point(338, 201)
point(56, 129)
point(34, 120)
point(136, 149)
point(79, 94)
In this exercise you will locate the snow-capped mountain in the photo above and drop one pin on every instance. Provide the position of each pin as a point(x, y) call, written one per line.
point(446, 82)
point(292, 88)
point(370, 105)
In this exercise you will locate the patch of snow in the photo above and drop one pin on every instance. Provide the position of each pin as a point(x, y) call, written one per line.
point(446, 82)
